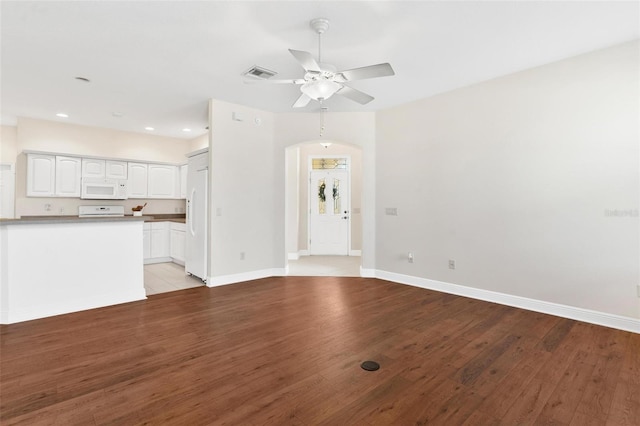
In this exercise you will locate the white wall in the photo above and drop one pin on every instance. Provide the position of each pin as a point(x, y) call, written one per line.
point(50, 136)
point(247, 208)
point(513, 179)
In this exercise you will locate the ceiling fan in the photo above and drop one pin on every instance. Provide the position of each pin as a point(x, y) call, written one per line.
point(321, 81)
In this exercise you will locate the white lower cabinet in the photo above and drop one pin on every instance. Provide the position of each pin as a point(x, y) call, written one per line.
point(163, 242)
point(177, 242)
point(146, 241)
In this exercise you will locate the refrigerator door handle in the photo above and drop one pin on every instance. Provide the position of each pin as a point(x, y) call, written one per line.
point(191, 228)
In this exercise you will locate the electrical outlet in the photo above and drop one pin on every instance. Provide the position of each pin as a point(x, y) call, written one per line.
point(410, 257)
point(242, 255)
point(452, 264)
point(47, 207)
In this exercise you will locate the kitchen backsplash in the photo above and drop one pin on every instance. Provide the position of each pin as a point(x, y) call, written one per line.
point(32, 206)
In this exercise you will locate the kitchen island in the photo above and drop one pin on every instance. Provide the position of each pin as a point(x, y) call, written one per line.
point(57, 265)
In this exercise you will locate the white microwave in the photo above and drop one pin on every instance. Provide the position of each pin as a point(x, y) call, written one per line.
point(104, 189)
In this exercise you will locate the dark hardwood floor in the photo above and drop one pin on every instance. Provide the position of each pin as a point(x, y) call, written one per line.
point(288, 351)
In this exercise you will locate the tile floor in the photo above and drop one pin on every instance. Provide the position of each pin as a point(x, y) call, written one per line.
point(335, 266)
point(165, 277)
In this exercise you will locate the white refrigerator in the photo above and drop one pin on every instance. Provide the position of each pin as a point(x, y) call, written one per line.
point(196, 235)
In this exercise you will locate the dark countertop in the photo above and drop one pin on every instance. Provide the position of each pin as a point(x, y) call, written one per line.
point(171, 217)
point(25, 220)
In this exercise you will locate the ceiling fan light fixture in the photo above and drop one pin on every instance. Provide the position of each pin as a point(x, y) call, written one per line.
point(320, 89)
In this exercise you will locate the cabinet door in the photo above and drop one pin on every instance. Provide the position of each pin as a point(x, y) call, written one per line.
point(93, 168)
point(160, 239)
point(137, 185)
point(163, 181)
point(116, 169)
point(68, 174)
point(177, 245)
point(41, 175)
point(146, 244)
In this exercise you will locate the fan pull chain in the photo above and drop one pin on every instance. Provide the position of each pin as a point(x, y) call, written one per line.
point(322, 110)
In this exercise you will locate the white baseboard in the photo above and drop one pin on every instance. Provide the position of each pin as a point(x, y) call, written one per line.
point(367, 273)
point(355, 252)
point(76, 305)
point(293, 256)
point(303, 252)
point(153, 260)
point(245, 276)
point(564, 311)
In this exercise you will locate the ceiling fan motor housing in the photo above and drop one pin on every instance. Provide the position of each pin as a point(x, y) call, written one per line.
point(319, 25)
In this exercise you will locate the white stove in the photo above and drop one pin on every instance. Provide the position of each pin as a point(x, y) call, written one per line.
point(100, 211)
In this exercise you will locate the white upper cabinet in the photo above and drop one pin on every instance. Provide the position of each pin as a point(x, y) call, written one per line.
point(137, 185)
point(41, 175)
point(109, 169)
point(115, 169)
point(68, 176)
point(92, 168)
point(163, 181)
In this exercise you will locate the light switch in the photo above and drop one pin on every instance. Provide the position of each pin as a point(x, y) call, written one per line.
point(391, 211)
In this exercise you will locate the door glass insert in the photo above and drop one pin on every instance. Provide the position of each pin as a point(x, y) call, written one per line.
point(322, 197)
point(328, 163)
point(336, 196)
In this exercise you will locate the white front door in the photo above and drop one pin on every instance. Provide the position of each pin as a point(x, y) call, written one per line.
point(329, 212)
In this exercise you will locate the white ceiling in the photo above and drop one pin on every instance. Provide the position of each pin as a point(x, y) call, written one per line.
point(158, 63)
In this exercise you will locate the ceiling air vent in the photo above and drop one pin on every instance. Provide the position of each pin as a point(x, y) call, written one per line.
point(259, 73)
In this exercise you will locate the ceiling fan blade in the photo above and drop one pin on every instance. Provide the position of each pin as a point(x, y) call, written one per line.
point(306, 60)
point(291, 81)
point(302, 101)
point(355, 95)
point(372, 71)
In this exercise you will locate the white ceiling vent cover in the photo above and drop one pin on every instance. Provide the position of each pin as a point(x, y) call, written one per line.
point(259, 73)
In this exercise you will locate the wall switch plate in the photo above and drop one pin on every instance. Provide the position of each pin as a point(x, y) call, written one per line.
point(452, 264)
point(242, 255)
point(410, 257)
point(391, 211)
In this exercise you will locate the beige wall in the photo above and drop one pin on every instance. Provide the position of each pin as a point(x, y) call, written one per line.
point(8, 144)
point(198, 143)
point(512, 179)
point(49, 136)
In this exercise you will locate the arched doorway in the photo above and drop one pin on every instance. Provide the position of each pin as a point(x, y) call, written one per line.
point(301, 201)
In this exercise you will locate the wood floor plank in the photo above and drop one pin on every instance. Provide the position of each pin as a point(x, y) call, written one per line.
point(287, 350)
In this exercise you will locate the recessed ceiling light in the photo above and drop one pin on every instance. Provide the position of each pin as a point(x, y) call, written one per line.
point(149, 129)
point(62, 115)
point(186, 130)
point(83, 79)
